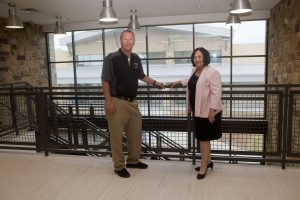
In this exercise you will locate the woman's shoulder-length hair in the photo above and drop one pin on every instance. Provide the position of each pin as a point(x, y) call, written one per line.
point(205, 53)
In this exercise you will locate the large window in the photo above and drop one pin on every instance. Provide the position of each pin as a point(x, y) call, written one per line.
point(60, 48)
point(249, 52)
point(238, 53)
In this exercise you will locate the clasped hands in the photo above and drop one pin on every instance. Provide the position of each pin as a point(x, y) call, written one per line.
point(159, 85)
point(174, 84)
point(162, 86)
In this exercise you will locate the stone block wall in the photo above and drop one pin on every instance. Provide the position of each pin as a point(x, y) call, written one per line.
point(284, 62)
point(23, 55)
point(284, 43)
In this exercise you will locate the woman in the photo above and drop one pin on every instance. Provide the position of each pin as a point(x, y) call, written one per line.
point(203, 98)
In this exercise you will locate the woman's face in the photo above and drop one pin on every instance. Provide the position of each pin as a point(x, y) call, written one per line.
point(198, 59)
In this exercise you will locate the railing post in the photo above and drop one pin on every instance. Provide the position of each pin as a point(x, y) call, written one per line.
point(159, 146)
point(191, 137)
point(292, 110)
point(85, 137)
point(284, 127)
point(29, 110)
point(14, 110)
point(53, 118)
point(70, 126)
point(75, 133)
point(42, 121)
point(92, 119)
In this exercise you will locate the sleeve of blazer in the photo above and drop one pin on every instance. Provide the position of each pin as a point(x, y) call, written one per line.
point(184, 82)
point(216, 90)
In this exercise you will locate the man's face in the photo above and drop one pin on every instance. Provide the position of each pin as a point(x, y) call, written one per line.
point(127, 41)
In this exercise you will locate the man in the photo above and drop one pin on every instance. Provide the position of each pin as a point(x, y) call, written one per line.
point(120, 74)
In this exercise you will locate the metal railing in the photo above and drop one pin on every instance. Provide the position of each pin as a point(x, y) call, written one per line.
point(261, 123)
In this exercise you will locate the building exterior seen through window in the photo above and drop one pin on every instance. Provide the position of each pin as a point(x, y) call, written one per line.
point(239, 53)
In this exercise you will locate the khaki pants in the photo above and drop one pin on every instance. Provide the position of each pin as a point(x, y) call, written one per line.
point(127, 119)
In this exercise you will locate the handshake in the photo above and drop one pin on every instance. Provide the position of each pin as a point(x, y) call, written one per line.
point(158, 85)
point(162, 86)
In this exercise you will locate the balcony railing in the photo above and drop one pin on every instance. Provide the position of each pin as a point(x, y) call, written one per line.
point(260, 123)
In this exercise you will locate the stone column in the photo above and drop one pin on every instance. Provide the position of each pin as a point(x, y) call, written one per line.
point(284, 62)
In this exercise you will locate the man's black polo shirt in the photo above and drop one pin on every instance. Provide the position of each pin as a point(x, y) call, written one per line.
point(122, 77)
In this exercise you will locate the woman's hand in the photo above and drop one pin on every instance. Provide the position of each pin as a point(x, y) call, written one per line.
point(211, 116)
point(174, 84)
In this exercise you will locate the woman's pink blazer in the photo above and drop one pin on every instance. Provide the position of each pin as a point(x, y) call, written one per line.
point(208, 92)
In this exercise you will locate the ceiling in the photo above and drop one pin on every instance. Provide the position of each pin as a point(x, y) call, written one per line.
point(89, 10)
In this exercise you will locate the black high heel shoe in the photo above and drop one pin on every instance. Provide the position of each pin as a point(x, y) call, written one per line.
point(201, 176)
point(210, 165)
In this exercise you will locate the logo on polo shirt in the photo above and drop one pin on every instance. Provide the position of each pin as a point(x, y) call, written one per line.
point(136, 65)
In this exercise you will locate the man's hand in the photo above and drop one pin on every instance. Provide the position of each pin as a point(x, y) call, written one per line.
point(159, 85)
point(109, 107)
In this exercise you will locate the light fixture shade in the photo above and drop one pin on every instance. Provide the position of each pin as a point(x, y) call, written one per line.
point(13, 19)
point(108, 14)
point(59, 29)
point(233, 20)
point(240, 6)
point(133, 24)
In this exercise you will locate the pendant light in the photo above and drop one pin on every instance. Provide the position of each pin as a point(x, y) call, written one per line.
point(233, 20)
point(240, 6)
point(108, 14)
point(13, 19)
point(59, 29)
point(133, 24)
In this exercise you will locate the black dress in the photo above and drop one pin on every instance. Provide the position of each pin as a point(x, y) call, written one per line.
point(203, 129)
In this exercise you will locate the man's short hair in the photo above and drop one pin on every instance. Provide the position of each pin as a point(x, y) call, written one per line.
point(126, 31)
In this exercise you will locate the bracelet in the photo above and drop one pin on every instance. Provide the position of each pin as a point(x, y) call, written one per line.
point(212, 110)
point(154, 83)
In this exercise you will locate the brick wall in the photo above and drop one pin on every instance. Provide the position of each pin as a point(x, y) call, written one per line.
point(23, 55)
